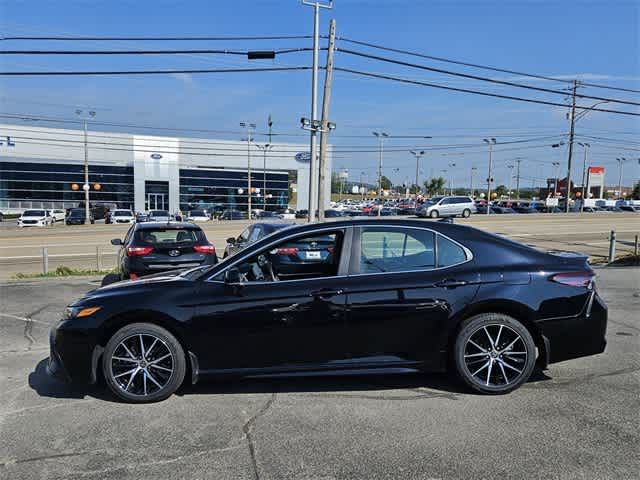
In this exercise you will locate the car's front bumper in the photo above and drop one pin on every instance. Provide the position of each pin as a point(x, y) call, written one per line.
point(71, 355)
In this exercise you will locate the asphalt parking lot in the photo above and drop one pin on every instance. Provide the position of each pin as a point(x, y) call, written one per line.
point(579, 419)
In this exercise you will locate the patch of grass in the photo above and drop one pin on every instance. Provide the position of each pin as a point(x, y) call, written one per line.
point(627, 260)
point(63, 271)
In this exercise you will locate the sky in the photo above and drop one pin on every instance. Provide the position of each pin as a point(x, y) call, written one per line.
point(593, 41)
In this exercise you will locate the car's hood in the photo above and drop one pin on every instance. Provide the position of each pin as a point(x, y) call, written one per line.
point(33, 218)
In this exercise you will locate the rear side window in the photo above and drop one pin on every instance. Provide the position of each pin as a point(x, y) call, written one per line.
point(173, 236)
point(449, 253)
point(396, 249)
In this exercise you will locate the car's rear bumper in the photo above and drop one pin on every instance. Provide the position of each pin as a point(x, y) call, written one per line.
point(579, 336)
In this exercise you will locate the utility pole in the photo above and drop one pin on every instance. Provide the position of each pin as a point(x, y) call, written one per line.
point(417, 154)
point(473, 169)
point(518, 160)
point(86, 187)
point(571, 135)
point(555, 182)
point(324, 122)
point(491, 142)
point(265, 148)
point(249, 127)
point(314, 87)
point(380, 136)
point(510, 167)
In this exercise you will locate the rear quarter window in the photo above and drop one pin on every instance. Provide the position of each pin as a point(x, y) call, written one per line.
point(449, 252)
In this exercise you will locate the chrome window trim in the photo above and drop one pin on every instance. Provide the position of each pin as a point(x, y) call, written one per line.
point(468, 254)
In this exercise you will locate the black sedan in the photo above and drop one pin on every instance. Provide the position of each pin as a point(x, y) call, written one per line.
point(390, 294)
point(250, 235)
point(77, 216)
point(153, 247)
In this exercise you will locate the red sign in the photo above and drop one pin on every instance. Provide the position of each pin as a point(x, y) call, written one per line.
point(596, 169)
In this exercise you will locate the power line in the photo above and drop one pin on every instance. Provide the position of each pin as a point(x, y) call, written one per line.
point(155, 39)
point(151, 52)
point(476, 92)
point(476, 77)
point(156, 72)
point(483, 67)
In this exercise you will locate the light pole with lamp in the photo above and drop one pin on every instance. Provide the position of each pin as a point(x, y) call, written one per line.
point(473, 169)
point(557, 166)
point(586, 147)
point(265, 148)
point(510, 167)
point(86, 187)
point(380, 136)
point(249, 127)
point(451, 166)
point(491, 142)
point(417, 154)
point(620, 161)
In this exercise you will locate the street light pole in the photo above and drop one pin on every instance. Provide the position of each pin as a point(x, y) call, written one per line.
point(451, 165)
point(380, 136)
point(417, 154)
point(265, 148)
point(249, 127)
point(491, 142)
point(555, 180)
point(586, 147)
point(620, 164)
point(86, 187)
point(510, 167)
point(473, 169)
point(313, 162)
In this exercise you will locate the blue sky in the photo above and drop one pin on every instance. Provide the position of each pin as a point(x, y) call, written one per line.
point(597, 41)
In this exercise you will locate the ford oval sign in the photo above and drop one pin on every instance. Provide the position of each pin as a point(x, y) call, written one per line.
point(304, 157)
point(156, 156)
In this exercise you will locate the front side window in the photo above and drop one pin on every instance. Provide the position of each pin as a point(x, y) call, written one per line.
point(301, 258)
point(385, 249)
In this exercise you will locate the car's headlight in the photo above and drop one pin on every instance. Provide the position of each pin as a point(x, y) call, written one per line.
point(79, 312)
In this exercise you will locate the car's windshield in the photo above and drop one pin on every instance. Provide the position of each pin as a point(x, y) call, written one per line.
point(122, 213)
point(198, 213)
point(159, 213)
point(77, 212)
point(33, 213)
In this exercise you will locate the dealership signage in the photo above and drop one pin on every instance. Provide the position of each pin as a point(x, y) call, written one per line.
point(8, 142)
point(303, 157)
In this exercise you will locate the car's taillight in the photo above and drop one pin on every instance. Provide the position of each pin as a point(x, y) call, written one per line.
point(208, 249)
point(287, 251)
point(574, 279)
point(138, 251)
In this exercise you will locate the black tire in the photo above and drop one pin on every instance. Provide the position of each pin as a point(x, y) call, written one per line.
point(481, 359)
point(166, 342)
point(110, 278)
point(466, 213)
point(433, 213)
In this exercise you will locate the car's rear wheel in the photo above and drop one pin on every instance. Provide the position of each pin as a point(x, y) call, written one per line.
point(433, 213)
point(466, 213)
point(143, 363)
point(494, 353)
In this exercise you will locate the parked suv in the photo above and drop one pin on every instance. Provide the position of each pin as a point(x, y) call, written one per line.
point(447, 207)
point(153, 247)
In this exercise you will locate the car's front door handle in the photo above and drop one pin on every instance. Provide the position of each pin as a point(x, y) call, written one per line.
point(451, 283)
point(326, 293)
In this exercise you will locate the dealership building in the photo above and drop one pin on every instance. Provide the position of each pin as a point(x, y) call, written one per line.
point(44, 168)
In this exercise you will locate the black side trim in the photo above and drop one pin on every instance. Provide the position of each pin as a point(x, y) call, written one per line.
point(195, 368)
point(95, 357)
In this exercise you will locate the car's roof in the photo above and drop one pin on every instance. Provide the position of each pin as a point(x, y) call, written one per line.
point(166, 225)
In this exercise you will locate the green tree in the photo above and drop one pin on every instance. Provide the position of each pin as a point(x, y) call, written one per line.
point(434, 185)
point(501, 190)
point(386, 183)
point(636, 192)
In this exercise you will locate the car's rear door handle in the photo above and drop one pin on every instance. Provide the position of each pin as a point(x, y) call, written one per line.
point(451, 283)
point(326, 293)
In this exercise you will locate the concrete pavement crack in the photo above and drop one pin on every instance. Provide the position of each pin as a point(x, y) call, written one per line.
point(247, 428)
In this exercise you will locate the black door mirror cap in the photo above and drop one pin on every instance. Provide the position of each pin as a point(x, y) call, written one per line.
point(116, 241)
point(232, 276)
point(231, 240)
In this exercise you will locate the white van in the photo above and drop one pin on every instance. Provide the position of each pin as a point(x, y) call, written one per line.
point(447, 207)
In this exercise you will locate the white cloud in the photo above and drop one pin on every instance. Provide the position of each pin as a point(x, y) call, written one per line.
point(185, 78)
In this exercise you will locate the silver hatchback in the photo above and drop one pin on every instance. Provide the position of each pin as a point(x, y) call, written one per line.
point(447, 207)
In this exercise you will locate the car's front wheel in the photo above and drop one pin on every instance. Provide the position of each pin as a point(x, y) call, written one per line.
point(433, 214)
point(466, 213)
point(143, 363)
point(494, 353)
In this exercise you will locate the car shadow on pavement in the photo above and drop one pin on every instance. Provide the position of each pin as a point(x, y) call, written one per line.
point(375, 383)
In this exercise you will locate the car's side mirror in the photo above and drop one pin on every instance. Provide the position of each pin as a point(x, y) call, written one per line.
point(231, 240)
point(116, 241)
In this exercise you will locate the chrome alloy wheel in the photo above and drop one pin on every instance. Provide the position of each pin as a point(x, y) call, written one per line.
point(495, 355)
point(142, 364)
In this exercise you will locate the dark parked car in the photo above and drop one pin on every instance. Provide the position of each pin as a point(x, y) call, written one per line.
point(262, 214)
point(159, 216)
point(153, 247)
point(302, 213)
point(630, 208)
point(251, 234)
point(233, 215)
point(384, 294)
point(77, 216)
point(333, 213)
